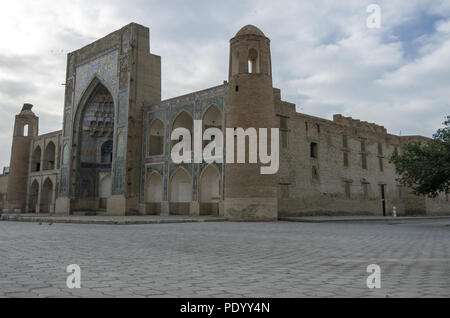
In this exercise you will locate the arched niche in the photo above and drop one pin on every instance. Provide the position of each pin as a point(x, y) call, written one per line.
point(155, 138)
point(183, 120)
point(47, 196)
point(180, 192)
point(253, 61)
point(93, 141)
point(50, 156)
point(154, 188)
point(154, 191)
point(104, 188)
point(26, 129)
point(33, 196)
point(210, 189)
point(36, 159)
point(212, 118)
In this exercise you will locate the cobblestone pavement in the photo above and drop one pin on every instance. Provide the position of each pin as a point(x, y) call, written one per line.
point(226, 259)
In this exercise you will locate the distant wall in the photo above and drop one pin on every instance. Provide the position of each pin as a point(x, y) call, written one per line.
point(3, 190)
point(346, 171)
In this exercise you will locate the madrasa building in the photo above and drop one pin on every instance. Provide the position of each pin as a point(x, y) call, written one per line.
point(112, 155)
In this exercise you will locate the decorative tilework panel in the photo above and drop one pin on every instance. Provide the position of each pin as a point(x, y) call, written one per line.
point(104, 67)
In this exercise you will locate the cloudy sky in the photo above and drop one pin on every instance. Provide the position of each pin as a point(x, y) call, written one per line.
point(325, 58)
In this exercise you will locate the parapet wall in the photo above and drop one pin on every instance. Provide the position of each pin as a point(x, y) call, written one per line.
point(358, 124)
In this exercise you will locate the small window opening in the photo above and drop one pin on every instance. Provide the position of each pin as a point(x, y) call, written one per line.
point(344, 141)
point(253, 61)
point(314, 152)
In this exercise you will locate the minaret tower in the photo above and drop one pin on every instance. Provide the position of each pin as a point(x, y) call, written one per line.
point(250, 103)
point(25, 128)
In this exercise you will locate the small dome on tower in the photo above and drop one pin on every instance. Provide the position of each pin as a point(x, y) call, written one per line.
point(250, 30)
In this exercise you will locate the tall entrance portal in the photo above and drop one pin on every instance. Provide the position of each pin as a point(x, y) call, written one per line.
point(95, 138)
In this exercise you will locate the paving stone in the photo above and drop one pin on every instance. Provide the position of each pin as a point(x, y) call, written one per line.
point(284, 259)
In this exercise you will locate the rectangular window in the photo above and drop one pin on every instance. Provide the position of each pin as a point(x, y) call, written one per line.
point(380, 162)
point(344, 141)
point(284, 132)
point(283, 123)
point(364, 161)
point(314, 150)
point(345, 159)
point(380, 148)
point(363, 145)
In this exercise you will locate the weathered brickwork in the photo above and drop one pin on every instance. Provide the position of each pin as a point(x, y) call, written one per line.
point(113, 153)
point(44, 173)
point(3, 190)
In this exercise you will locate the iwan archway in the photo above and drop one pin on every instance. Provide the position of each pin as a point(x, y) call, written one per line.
point(94, 138)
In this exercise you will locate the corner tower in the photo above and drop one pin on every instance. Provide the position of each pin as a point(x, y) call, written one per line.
point(250, 102)
point(25, 128)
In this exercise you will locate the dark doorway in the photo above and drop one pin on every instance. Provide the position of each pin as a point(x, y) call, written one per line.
point(383, 199)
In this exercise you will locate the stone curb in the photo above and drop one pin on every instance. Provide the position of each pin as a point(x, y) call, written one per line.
point(361, 219)
point(107, 222)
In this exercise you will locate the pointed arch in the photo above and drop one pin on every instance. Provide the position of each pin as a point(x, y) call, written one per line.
point(183, 120)
point(212, 117)
point(180, 194)
point(210, 184)
point(210, 190)
point(105, 186)
point(93, 128)
point(154, 188)
point(36, 159)
point(26, 129)
point(253, 61)
point(34, 196)
point(49, 156)
point(88, 94)
point(155, 138)
point(180, 186)
point(106, 151)
point(47, 196)
point(154, 193)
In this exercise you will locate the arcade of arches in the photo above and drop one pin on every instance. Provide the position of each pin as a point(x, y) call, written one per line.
point(180, 185)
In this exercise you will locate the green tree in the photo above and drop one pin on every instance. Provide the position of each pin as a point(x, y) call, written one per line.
point(425, 168)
